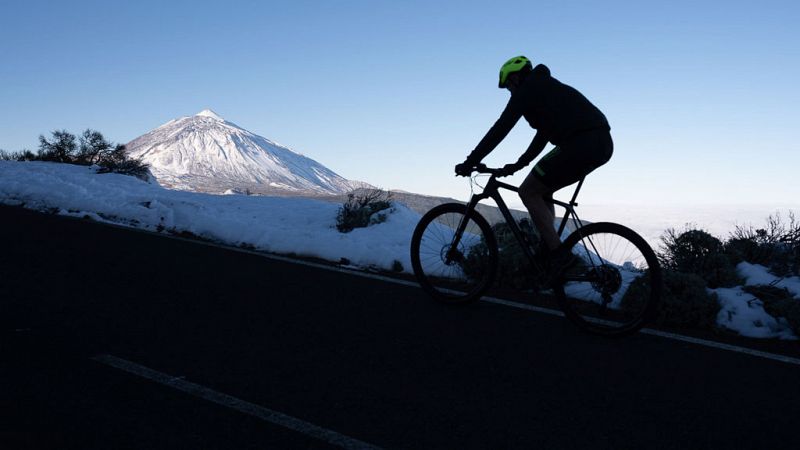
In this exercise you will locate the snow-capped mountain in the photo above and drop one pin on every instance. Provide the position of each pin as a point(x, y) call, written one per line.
point(206, 153)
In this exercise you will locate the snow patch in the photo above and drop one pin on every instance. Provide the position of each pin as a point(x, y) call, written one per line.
point(301, 226)
point(743, 313)
point(210, 113)
point(755, 274)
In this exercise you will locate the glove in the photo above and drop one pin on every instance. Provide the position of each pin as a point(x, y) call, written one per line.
point(509, 169)
point(464, 169)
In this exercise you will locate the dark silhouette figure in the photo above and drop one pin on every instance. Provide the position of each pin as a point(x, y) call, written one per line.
point(561, 115)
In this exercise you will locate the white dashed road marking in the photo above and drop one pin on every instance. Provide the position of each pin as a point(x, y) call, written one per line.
point(251, 409)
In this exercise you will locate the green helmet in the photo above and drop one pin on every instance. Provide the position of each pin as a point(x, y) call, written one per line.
point(513, 65)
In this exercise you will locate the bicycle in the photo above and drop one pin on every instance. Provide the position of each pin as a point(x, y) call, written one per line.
point(612, 290)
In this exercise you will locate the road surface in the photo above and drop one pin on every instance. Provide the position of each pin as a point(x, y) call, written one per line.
point(317, 358)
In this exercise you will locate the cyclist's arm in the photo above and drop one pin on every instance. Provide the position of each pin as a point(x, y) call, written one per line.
point(497, 133)
point(536, 147)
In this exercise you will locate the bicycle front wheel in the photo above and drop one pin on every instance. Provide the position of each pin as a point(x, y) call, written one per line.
point(453, 266)
point(614, 287)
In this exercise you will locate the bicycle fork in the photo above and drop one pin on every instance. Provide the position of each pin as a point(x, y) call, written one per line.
point(453, 254)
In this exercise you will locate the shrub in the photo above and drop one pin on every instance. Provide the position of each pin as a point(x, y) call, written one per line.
point(513, 268)
point(743, 249)
point(91, 148)
point(397, 266)
point(117, 161)
point(476, 259)
point(24, 155)
point(776, 246)
point(685, 301)
point(62, 149)
point(360, 208)
point(698, 252)
point(718, 271)
point(786, 262)
point(776, 230)
point(778, 302)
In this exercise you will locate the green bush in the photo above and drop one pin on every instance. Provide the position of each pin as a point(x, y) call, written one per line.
point(778, 302)
point(698, 252)
point(685, 301)
point(363, 208)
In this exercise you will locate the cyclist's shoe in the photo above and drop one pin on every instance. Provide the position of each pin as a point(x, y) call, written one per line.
point(540, 251)
point(560, 262)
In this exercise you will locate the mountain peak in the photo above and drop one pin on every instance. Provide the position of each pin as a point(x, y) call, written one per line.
point(204, 153)
point(209, 113)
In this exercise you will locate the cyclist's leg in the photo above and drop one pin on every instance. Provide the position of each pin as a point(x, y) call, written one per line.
point(533, 193)
point(548, 200)
point(564, 165)
point(574, 159)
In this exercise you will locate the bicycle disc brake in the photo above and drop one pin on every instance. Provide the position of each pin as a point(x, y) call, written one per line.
point(607, 280)
point(451, 255)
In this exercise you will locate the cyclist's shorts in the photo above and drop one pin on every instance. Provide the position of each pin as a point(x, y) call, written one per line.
point(575, 158)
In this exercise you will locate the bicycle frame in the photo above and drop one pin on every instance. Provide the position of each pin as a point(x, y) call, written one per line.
point(492, 190)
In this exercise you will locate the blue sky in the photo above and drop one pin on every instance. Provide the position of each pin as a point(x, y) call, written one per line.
point(701, 96)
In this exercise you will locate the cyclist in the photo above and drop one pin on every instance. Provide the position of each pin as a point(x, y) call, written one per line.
point(561, 115)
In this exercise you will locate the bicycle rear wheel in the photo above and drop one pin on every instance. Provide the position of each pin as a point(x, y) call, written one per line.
point(615, 286)
point(452, 267)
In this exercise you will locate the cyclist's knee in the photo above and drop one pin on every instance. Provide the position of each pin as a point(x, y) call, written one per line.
point(532, 187)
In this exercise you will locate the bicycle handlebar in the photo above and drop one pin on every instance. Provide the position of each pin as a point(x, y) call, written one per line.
point(483, 168)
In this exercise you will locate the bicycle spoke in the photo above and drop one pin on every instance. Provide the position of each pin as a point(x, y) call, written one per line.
point(452, 272)
point(604, 293)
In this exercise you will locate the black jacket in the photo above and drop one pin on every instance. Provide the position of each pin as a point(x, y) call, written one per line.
point(555, 110)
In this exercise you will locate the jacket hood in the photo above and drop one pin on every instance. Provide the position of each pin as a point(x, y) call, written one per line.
point(540, 70)
point(539, 73)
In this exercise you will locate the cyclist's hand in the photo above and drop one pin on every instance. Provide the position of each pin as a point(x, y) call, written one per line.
point(464, 169)
point(508, 170)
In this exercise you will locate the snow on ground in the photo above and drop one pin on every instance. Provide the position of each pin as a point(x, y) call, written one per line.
point(755, 274)
point(304, 227)
point(745, 314)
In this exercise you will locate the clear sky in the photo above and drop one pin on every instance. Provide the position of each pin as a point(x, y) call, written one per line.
point(702, 96)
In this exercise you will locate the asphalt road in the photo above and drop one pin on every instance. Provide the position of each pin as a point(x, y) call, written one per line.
point(374, 361)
